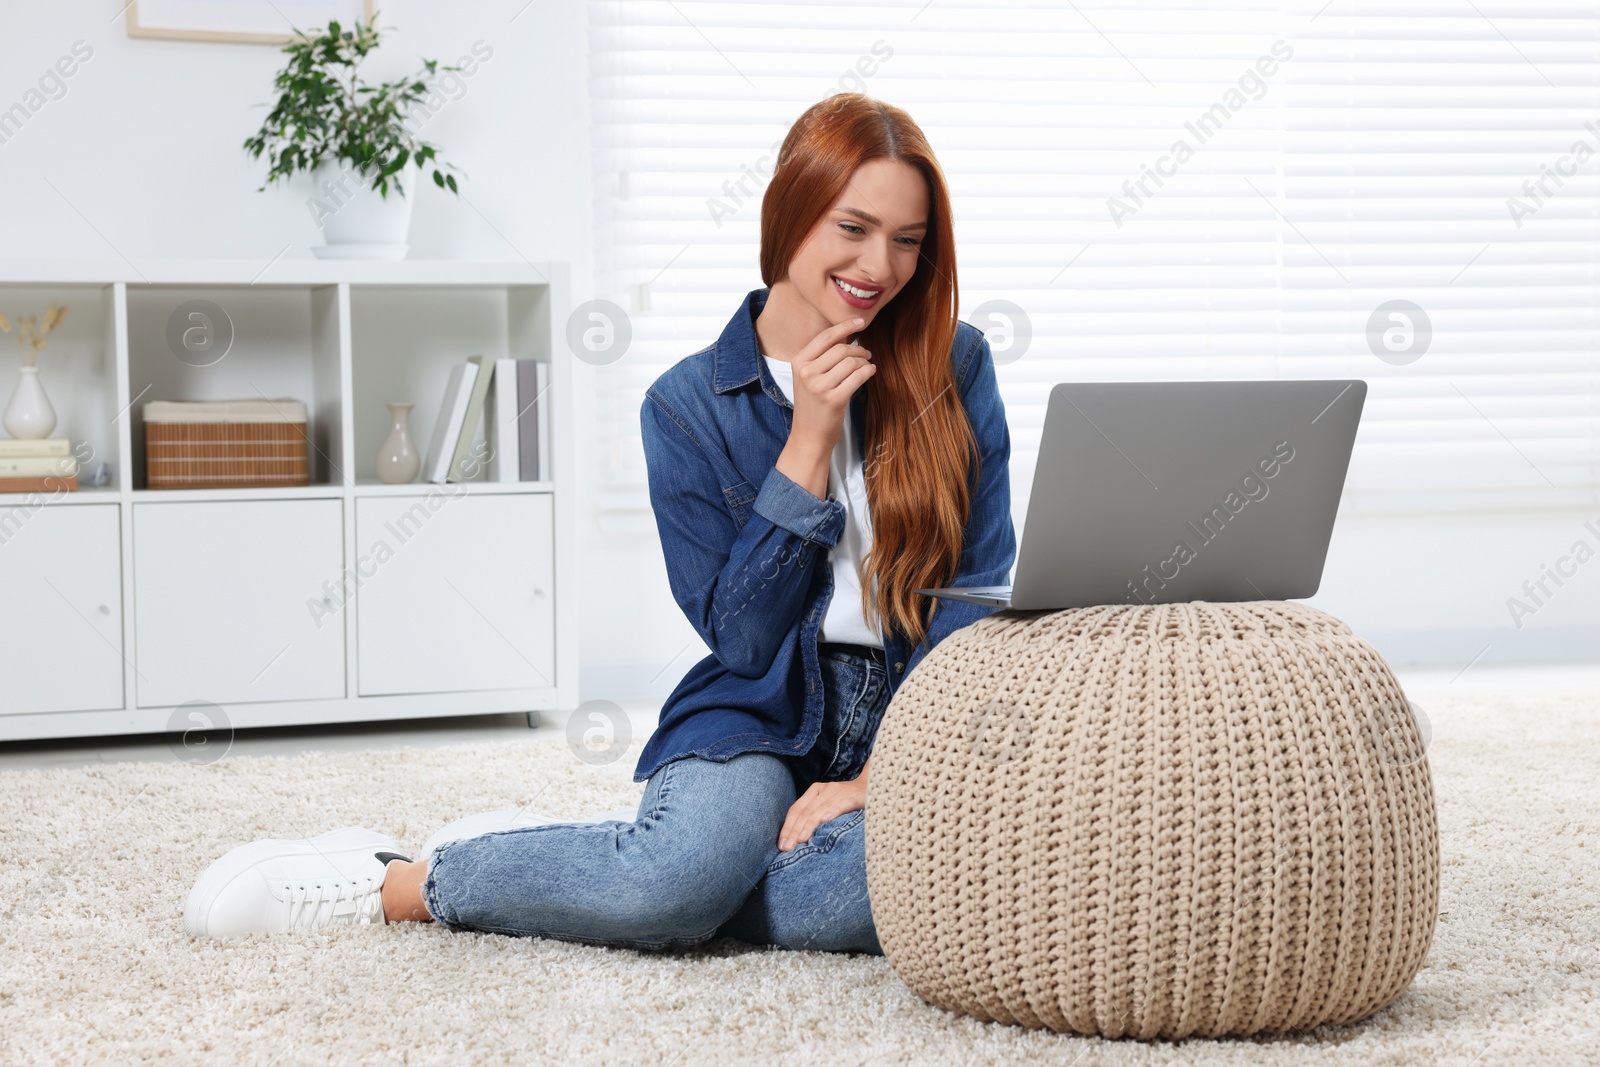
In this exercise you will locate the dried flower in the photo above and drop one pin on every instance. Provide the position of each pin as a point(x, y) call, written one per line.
point(31, 333)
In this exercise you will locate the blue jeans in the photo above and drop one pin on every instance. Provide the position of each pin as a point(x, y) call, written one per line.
point(701, 860)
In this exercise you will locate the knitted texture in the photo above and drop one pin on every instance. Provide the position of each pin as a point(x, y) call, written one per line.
point(1154, 821)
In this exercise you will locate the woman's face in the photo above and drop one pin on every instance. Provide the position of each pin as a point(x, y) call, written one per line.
point(869, 239)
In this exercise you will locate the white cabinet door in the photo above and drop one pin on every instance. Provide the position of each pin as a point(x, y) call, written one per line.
point(231, 601)
point(60, 608)
point(454, 593)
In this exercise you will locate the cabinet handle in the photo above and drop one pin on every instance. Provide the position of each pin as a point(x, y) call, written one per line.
point(538, 590)
point(104, 610)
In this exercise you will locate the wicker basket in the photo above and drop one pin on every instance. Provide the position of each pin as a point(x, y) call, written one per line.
point(225, 444)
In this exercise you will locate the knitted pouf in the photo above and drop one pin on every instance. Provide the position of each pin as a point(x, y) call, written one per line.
point(1154, 821)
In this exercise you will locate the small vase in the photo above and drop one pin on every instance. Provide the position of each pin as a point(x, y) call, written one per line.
point(29, 415)
point(398, 461)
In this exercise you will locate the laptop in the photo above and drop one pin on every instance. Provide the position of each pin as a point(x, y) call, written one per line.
point(1162, 492)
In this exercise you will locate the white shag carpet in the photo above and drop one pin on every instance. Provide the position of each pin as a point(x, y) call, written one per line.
point(95, 864)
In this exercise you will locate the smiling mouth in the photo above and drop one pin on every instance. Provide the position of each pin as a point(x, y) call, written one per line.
point(855, 291)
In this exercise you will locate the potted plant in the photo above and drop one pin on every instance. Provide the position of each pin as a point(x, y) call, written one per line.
point(354, 139)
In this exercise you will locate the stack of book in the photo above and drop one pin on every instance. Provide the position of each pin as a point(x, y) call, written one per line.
point(511, 397)
point(46, 465)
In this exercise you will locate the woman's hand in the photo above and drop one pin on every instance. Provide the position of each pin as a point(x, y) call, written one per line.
point(823, 801)
point(827, 372)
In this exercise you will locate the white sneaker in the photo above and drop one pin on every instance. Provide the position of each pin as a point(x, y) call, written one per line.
point(490, 822)
point(273, 886)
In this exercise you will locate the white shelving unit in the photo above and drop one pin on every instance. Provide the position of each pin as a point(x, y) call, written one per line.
point(122, 607)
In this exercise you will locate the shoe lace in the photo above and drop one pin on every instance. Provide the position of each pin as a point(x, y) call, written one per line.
point(353, 903)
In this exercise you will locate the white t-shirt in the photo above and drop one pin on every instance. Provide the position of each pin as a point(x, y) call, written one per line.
point(847, 484)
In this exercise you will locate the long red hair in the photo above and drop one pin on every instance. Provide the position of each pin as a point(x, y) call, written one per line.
point(919, 444)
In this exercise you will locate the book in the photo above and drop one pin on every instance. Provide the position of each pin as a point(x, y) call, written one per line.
point(50, 446)
point(50, 483)
point(543, 378)
point(500, 422)
point(452, 412)
point(527, 420)
point(462, 467)
point(38, 466)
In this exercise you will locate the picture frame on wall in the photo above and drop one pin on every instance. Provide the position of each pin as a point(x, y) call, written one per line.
point(243, 21)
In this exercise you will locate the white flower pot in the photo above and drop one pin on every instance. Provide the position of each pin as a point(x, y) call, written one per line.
point(357, 222)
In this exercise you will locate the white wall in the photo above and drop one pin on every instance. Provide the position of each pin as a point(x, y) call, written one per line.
point(140, 158)
point(1433, 589)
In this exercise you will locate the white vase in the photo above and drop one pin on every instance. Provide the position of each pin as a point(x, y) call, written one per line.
point(29, 415)
point(357, 221)
point(398, 461)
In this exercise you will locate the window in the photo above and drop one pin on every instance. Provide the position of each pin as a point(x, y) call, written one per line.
point(1164, 191)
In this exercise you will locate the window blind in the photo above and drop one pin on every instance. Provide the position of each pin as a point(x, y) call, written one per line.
point(1389, 191)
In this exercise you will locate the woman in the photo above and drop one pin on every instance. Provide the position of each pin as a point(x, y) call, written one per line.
point(777, 473)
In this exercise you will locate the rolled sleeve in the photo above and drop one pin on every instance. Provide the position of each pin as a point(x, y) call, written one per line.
point(784, 502)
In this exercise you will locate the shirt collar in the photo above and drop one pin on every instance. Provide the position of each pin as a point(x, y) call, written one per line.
point(735, 363)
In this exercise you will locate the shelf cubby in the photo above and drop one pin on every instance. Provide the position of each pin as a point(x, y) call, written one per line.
point(406, 339)
point(78, 369)
point(280, 341)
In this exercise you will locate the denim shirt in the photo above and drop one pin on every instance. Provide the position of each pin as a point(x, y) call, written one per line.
point(747, 548)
